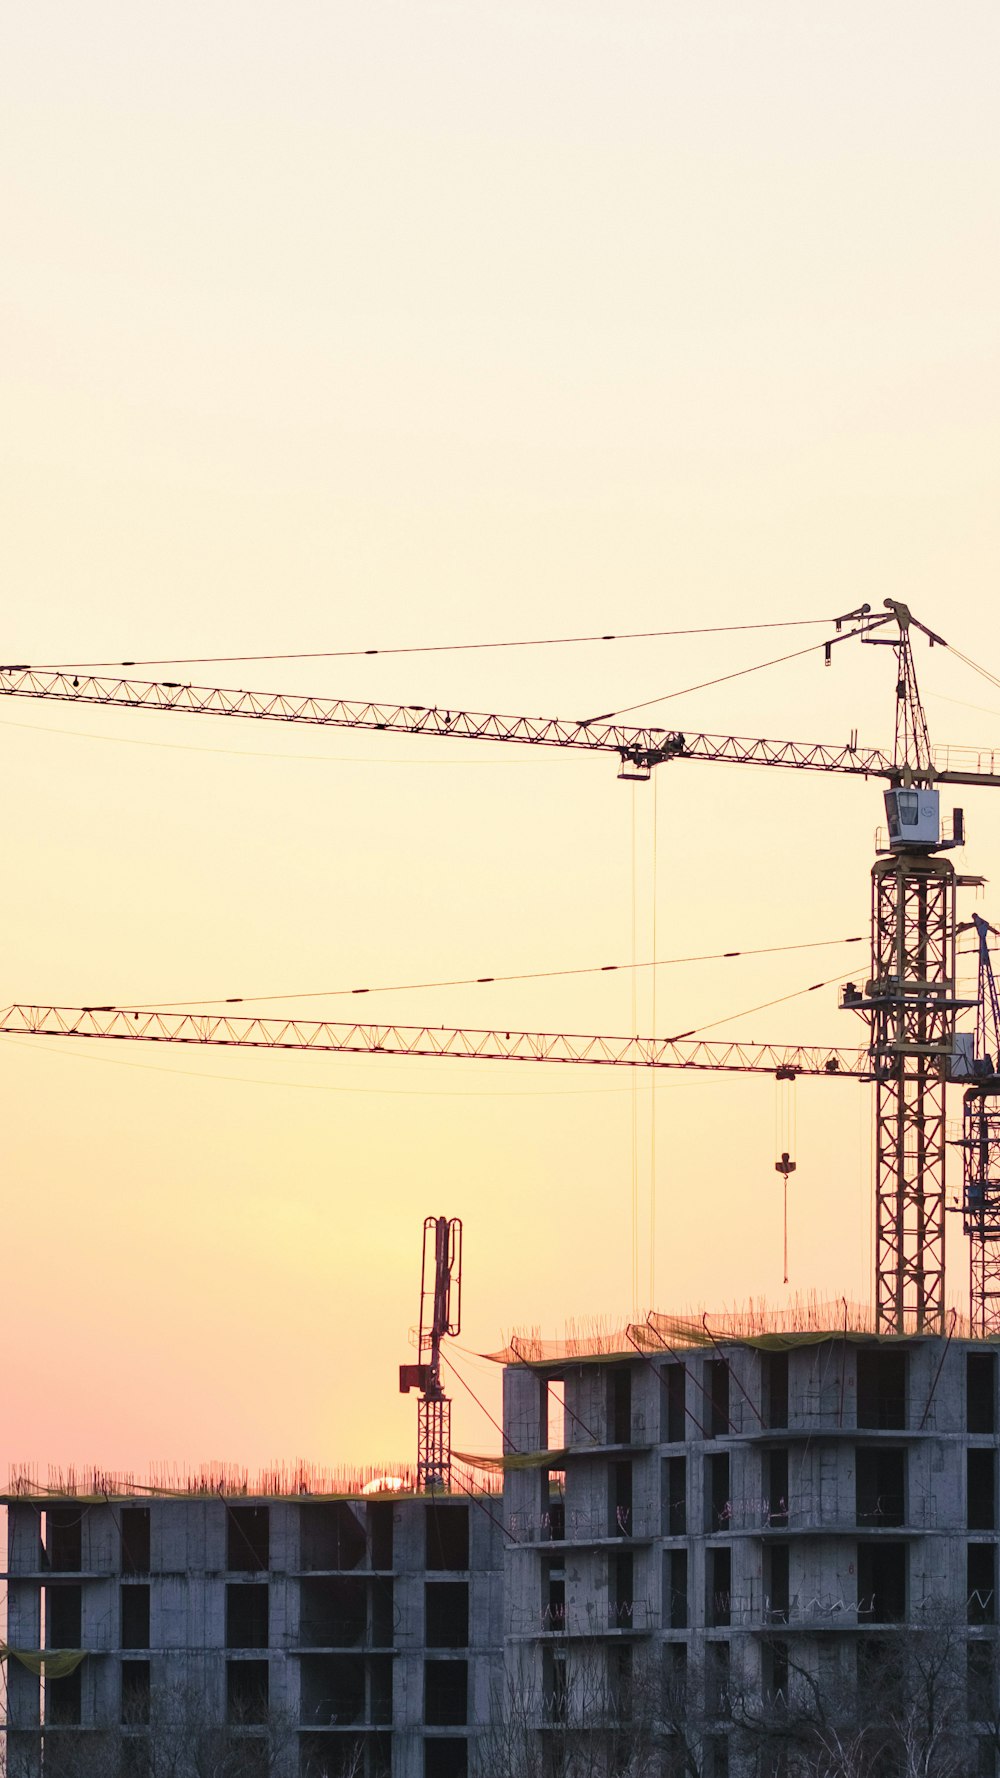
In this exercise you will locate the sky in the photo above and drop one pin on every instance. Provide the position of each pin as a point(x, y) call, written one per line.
point(388, 326)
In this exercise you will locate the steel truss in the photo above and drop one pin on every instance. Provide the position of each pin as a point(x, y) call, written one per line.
point(912, 1005)
point(640, 747)
point(283, 1033)
point(981, 1207)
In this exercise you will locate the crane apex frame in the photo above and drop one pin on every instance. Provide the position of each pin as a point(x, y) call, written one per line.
point(440, 1317)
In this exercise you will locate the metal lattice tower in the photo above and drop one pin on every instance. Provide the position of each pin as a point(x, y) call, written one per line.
point(912, 1004)
point(440, 1316)
point(981, 1152)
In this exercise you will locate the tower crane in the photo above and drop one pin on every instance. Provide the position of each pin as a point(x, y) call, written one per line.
point(980, 1143)
point(909, 1003)
point(440, 1317)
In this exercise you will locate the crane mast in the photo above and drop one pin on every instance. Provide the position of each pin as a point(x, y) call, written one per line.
point(440, 1317)
point(980, 1142)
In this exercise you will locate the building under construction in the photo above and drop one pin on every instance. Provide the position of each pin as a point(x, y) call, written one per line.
point(708, 1541)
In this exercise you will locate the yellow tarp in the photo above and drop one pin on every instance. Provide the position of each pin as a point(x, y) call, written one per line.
point(50, 1663)
point(517, 1460)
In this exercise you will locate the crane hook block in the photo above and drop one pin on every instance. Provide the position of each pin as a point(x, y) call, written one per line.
point(784, 1166)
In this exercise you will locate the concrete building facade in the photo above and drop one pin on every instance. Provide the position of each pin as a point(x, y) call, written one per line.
point(746, 1526)
point(694, 1544)
point(352, 1636)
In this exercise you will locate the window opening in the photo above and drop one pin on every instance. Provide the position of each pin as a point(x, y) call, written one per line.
point(135, 1616)
point(720, 1573)
point(247, 1692)
point(720, 1509)
point(135, 1539)
point(777, 1389)
point(980, 1391)
point(447, 1536)
point(675, 1485)
point(446, 1758)
point(64, 1538)
point(881, 1389)
point(135, 1694)
point(981, 1583)
point(879, 1486)
point(718, 1394)
point(777, 1486)
point(619, 1422)
point(981, 1493)
point(331, 1536)
point(246, 1615)
point(446, 1692)
point(247, 1539)
point(678, 1587)
point(778, 1600)
point(553, 1405)
point(674, 1379)
point(380, 1533)
point(881, 1570)
point(63, 1616)
point(620, 1502)
point(446, 1614)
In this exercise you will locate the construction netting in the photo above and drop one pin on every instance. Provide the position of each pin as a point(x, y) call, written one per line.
point(806, 1323)
point(47, 1663)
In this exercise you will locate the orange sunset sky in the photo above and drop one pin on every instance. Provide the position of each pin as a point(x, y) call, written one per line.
point(345, 326)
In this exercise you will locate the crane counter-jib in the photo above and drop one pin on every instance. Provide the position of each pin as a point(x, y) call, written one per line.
point(284, 1033)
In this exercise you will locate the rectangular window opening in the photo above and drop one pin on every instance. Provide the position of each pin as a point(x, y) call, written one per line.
point(446, 1693)
point(717, 1371)
point(380, 1534)
point(778, 1601)
point(446, 1758)
point(135, 1694)
point(64, 1700)
point(247, 1615)
point(447, 1529)
point(64, 1539)
point(881, 1389)
point(135, 1539)
point(720, 1581)
point(675, 1505)
point(879, 1486)
point(881, 1573)
point(720, 1508)
point(981, 1583)
point(135, 1616)
point(677, 1582)
point(982, 1486)
point(674, 1380)
point(446, 1613)
point(247, 1693)
point(620, 1499)
point(619, 1410)
point(332, 1536)
point(776, 1384)
point(777, 1486)
point(980, 1681)
point(553, 1413)
point(63, 1616)
point(248, 1533)
point(981, 1391)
